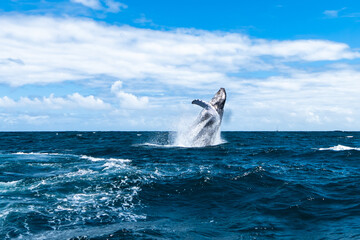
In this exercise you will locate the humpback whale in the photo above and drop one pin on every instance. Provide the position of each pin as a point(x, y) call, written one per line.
point(206, 129)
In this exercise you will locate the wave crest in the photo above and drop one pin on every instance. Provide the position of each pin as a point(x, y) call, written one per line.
point(340, 148)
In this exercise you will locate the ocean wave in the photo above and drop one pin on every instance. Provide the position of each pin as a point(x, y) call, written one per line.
point(37, 153)
point(97, 159)
point(110, 163)
point(78, 188)
point(340, 148)
point(119, 160)
point(176, 145)
point(115, 164)
point(8, 186)
point(110, 231)
point(44, 154)
point(93, 159)
point(80, 172)
point(81, 196)
point(157, 145)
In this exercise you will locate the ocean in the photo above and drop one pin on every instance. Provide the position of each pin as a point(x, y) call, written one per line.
point(139, 185)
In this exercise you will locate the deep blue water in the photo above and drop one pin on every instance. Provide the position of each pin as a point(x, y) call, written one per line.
point(133, 185)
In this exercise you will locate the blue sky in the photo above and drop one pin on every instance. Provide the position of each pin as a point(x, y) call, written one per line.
point(137, 65)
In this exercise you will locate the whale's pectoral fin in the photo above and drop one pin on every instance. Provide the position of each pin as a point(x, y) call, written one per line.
point(202, 104)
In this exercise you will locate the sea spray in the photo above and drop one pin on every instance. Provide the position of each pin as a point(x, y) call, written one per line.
point(188, 133)
point(195, 134)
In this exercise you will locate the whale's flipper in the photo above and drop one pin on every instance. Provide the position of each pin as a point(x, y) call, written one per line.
point(202, 104)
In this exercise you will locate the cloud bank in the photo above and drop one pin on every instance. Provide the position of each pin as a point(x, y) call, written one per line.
point(73, 101)
point(111, 5)
point(42, 50)
point(291, 85)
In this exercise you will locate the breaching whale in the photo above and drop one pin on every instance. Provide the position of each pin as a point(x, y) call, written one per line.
point(206, 129)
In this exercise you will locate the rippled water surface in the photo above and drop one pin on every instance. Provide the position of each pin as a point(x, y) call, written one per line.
point(136, 185)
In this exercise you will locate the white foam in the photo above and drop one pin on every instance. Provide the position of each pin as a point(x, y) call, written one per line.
point(116, 163)
point(8, 186)
point(93, 159)
point(38, 184)
point(80, 172)
point(158, 145)
point(5, 212)
point(37, 153)
point(339, 148)
point(89, 231)
point(174, 145)
point(104, 199)
point(61, 208)
point(109, 165)
point(43, 154)
point(119, 160)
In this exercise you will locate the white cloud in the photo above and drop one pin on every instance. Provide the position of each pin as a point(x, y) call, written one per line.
point(143, 20)
point(94, 4)
point(270, 84)
point(300, 101)
point(67, 49)
point(114, 6)
point(111, 5)
point(308, 50)
point(128, 100)
point(9, 119)
point(70, 102)
point(331, 13)
point(7, 102)
point(33, 119)
point(89, 102)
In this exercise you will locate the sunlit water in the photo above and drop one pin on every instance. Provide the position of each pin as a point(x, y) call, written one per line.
point(140, 185)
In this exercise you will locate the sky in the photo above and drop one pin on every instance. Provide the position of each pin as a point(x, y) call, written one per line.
point(92, 65)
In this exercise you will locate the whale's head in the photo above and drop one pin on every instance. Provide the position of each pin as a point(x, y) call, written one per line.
point(218, 101)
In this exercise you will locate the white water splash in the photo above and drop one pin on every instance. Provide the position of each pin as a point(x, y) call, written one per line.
point(340, 148)
point(190, 134)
